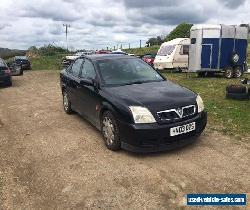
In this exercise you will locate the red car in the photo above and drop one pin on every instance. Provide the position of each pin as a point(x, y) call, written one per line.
point(149, 59)
point(103, 52)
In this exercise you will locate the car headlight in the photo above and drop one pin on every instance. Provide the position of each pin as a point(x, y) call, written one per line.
point(200, 104)
point(142, 115)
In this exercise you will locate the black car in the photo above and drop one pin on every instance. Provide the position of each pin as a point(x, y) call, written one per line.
point(5, 74)
point(132, 104)
point(22, 61)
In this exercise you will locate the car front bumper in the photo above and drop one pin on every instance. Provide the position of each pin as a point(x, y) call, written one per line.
point(156, 137)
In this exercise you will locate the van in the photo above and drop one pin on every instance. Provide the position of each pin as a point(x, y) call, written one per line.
point(173, 54)
point(218, 48)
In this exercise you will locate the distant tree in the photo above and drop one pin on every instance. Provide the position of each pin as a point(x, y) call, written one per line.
point(154, 41)
point(181, 31)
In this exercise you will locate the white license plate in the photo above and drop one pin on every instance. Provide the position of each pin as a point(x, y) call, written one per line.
point(175, 131)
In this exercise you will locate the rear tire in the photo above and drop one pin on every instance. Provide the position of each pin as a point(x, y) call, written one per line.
point(228, 72)
point(238, 72)
point(110, 131)
point(66, 103)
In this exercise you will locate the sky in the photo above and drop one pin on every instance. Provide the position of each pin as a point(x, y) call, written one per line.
point(98, 24)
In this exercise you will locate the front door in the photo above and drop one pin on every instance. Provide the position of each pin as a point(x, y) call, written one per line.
point(88, 94)
point(206, 56)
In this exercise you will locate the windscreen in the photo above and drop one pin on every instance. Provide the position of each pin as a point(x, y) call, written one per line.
point(166, 50)
point(126, 71)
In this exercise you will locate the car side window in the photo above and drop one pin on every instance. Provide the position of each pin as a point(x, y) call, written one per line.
point(76, 67)
point(88, 70)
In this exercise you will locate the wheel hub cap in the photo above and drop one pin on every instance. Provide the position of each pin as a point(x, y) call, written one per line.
point(108, 130)
point(65, 102)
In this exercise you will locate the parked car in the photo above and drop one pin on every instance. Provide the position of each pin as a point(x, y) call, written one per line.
point(173, 54)
point(102, 52)
point(133, 106)
point(218, 48)
point(67, 60)
point(22, 61)
point(119, 52)
point(5, 74)
point(149, 58)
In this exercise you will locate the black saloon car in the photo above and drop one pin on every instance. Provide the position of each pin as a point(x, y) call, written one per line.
point(5, 74)
point(133, 105)
point(22, 61)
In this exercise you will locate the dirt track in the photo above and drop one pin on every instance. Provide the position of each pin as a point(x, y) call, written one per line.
point(50, 160)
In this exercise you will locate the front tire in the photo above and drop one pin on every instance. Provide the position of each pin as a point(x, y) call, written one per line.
point(66, 103)
point(229, 73)
point(110, 131)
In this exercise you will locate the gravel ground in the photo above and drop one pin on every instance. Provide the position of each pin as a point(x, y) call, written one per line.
point(50, 160)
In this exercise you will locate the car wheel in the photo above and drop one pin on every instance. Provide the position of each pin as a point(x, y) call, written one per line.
point(238, 72)
point(66, 103)
point(228, 73)
point(8, 82)
point(21, 72)
point(110, 131)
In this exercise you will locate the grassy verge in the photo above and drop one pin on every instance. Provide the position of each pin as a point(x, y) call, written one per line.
point(231, 117)
point(143, 50)
point(47, 62)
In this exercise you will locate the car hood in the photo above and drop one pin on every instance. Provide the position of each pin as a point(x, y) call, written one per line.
point(156, 96)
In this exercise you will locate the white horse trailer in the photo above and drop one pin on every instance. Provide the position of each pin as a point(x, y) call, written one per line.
point(173, 54)
point(218, 48)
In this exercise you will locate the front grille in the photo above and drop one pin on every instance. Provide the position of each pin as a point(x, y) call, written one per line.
point(177, 115)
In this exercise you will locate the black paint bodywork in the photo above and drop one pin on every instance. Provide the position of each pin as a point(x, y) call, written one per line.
point(91, 98)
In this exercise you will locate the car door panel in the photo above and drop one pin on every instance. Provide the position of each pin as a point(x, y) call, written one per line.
point(73, 82)
point(88, 94)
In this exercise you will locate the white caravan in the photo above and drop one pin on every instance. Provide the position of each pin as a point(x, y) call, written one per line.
point(173, 54)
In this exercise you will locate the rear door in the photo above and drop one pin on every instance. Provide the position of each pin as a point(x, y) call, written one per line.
point(73, 83)
point(206, 56)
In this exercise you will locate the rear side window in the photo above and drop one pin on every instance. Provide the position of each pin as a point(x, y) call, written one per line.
point(76, 67)
point(88, 70)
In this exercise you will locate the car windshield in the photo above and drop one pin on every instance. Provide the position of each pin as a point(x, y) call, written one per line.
point(21, 58)
point(126, 71)
point(166, 50)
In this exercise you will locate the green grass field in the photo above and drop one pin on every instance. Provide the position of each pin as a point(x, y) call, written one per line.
point(231, 117)
point(47, 62)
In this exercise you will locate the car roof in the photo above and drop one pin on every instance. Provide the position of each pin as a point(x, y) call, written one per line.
point(96, 57)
